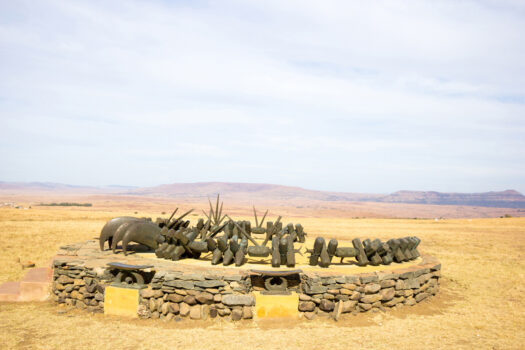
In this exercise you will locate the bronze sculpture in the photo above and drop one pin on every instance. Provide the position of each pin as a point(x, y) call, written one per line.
point(176, 239)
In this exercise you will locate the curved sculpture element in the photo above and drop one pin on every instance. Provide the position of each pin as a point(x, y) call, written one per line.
point(120, 232)
point(111, 227)
point(145, 233)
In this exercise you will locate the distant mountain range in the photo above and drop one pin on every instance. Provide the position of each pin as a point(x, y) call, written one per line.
point(250, 191)
point(501, 199)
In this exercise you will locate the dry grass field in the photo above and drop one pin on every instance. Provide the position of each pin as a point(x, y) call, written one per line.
point(480, 304)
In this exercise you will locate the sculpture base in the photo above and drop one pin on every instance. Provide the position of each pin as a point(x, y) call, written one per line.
point(270, 306)
point(121, 301)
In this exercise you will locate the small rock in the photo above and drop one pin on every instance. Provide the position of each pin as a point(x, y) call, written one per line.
point(204, 297)
point(176, 298)
point(238, 299)
point(91, 288)
point(412, 283)
point(63, 279)
point(184, 309)
point(400, 284)
point(328, 296)
point(152, 305)
point(195, 312)
point(76, 295)
point(387, 283)
point(190, 300)
point(193, 292)
point(326, 305)
point(217, 298)
point(306, 306)
point(349, 286)
point(372, 288)
point(338, 310)
point(159, 302)
point(342, 297)
point(394, 301)
point(387, 294)
point(304, 297)
point(368, 278)
point(421, 296)
point(224, 312)
point(236, 314)
point(210, 284)
point(247, 312)
point(309, 315)
point(355, 296)
point(345, 291)
point(173, 308)
point(27, 264)
point(164, 309)
point(410, 301)
point(370, 298)
point(349, 305)
point(180, 284)
point(364, 307)
point(147, 293)
point(79, 282)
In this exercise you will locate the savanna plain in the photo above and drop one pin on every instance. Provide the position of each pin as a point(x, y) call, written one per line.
point(480, 304)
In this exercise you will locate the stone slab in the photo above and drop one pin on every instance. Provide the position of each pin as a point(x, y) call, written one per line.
point(121, 301)
point(39, 274)
point(9, 291)
point(36, 284)
point(276, 306)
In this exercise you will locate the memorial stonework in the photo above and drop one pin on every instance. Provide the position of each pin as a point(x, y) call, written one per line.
point(219, 268)
point(174, 290)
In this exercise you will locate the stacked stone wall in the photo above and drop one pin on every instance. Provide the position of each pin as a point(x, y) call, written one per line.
point(79, 280)
point(197, 296)
point(336, 295)
point(77, 286)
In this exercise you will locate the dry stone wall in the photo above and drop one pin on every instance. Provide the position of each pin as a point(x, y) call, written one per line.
point(75, 285)
point(174, 293)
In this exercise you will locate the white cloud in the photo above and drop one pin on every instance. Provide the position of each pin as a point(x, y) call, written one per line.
point(328, 86)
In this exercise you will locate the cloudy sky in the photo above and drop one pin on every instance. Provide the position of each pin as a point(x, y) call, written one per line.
point(330, 95)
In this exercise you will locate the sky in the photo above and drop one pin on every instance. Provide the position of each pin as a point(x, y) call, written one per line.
point(353, 96)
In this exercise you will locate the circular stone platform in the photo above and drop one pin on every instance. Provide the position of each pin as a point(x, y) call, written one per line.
point(196, 289)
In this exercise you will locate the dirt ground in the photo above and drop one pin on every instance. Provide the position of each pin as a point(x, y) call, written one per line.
point(480, 304)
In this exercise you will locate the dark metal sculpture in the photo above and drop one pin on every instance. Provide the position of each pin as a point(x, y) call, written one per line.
point(129, 275)
point(229, 242)
point(145, 233)
point(277, 282)
point(366, 253)
point(258, 229)
point(109, 229)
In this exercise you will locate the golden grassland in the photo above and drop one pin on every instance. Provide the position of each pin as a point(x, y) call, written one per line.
point(480, 304)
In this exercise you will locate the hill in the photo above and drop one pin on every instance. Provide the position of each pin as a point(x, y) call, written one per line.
point(502, 199)
point(254, 192)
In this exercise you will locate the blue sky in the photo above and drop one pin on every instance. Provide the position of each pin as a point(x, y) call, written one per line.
point(330, 95)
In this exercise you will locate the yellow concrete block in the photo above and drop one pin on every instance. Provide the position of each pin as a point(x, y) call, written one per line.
point(276, 305)
point(121, 301)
